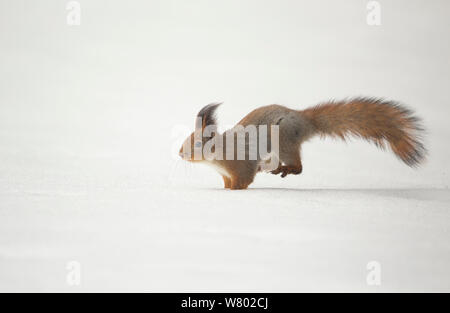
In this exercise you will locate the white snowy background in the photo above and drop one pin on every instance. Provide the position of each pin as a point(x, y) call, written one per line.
point(90, 116)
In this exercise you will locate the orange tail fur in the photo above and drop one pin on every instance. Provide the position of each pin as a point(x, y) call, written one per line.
point(374, 120)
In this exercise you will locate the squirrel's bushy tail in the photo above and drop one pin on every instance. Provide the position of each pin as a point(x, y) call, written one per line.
point(374, 120)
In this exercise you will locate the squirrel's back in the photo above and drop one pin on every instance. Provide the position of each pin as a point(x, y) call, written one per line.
point(291, 122)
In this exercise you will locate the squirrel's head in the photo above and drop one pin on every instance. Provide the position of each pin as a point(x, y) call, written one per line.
point(205, 130)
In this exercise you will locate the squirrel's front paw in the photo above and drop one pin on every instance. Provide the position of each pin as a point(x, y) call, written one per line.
point(285, 170)
point(277, 171)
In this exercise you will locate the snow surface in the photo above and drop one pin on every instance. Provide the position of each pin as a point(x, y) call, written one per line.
point(90, 118)
point(157, 239)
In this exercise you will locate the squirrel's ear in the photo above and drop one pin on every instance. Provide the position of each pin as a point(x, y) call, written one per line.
point(208, 114)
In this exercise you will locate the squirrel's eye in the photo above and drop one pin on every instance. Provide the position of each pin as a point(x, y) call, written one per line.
point(198, 144)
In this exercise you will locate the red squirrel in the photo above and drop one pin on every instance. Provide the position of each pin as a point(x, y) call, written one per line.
point(375, 120)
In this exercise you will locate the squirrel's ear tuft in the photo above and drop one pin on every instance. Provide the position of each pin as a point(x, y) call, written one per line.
point(208, 114)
